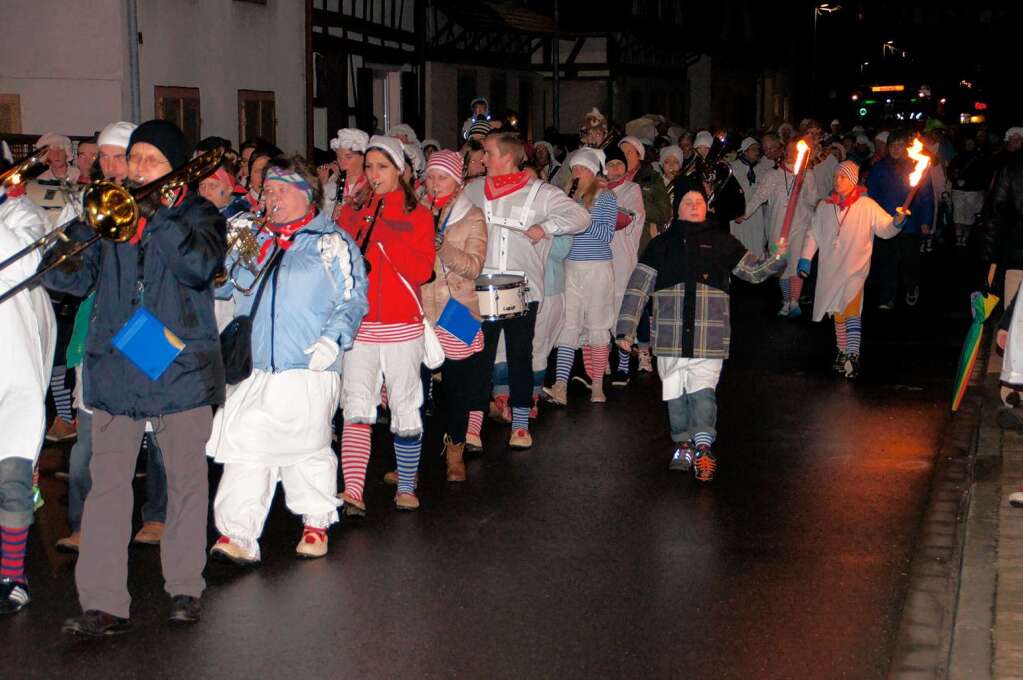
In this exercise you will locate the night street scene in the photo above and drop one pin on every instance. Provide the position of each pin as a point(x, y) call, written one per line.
point(510, 339)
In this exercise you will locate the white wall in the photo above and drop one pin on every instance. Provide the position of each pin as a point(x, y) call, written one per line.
point(67, 62)
point(222, 46)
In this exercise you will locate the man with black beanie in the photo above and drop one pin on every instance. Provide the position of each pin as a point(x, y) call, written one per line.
point(163, 276)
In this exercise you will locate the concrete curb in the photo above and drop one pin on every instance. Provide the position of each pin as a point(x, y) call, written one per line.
point(927, 632)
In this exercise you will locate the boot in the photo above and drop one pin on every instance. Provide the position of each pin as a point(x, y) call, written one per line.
point(456, 463)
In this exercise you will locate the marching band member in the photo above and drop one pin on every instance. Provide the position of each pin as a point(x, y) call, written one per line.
point(396, 236)
point(405, 133)
point(429, 147)
point(843, 230)
point(671, 159)
point(547, 165)
point(775, 189)
point(461, 244)
point(258, 161)
point(522, 213)
point(687, 270)
point(747, 171)
point(51, 190)
point(589, 281)
point(350, 150)
point(625, 246)
point(113, 141)
point(276, 424)
point(85, 160)
point(29, 335)
point(167, 269)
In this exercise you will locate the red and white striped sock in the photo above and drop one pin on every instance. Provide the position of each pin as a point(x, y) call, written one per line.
point(588, 361)
point(598, 359)
point(475, 423)
point(796, 288)
point(355, 446)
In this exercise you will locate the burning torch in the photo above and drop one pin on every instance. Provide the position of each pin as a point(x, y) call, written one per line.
point(923, 161)
point(751, 268)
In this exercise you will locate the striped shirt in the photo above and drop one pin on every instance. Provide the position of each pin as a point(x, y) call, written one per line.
point(457, 350)
point(594, 243)
point(376, 332)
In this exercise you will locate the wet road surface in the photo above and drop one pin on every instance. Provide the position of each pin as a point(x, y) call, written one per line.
point(584, 556)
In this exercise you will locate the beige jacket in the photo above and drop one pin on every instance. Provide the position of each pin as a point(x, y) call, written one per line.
point(459, 260)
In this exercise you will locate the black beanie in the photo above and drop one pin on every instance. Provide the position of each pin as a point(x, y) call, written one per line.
point(165, 136)
point(614, 153)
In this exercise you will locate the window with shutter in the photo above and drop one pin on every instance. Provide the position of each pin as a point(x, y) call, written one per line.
point(181, 106)
point(10, 113)
point(257, 115)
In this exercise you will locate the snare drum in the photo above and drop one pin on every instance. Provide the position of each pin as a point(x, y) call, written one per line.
point(501, 296)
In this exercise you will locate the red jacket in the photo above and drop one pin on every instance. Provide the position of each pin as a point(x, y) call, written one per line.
point(408, 240)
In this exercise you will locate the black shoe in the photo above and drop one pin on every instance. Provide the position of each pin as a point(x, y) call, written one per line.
point(1009, 418)
point(704, 464)
point(14, 596)
point(852, 366)
point(913, 296)
point(620, 379)
point(185, 610)
point(839, 364)
point(94, 623)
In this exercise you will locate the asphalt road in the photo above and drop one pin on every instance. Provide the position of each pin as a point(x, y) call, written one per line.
point(585, 557)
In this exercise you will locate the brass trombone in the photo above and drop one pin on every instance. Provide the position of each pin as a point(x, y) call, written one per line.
point(112, 212)
point(15, 174)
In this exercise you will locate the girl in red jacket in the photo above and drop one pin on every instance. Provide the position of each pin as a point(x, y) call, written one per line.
point(396, 236)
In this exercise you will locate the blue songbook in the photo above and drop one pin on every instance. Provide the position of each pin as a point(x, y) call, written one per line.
point(148, 344)
point(459, 321)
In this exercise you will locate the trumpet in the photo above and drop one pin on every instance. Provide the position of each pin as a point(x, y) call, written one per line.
point(112, 212)
point(241, 238)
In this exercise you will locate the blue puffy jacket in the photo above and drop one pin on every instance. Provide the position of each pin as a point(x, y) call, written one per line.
point(317, 289)
point(182, 247)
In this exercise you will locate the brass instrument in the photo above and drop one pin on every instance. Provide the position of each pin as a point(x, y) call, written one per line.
point(574, 187)
point(15, 174)
point(241, 238)
point(112, 212)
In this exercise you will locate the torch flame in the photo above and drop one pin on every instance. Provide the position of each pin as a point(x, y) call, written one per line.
point(915, 152)
point(802, 148)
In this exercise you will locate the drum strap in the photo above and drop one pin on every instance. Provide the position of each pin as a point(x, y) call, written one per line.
point(508, 223)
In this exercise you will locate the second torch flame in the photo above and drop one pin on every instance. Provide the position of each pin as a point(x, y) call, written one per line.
point(922, 160)
point(801, 151)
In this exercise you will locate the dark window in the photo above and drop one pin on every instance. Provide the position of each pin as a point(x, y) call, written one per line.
point(257, 115)
point(466, 92)
point(499, 94)
point(180, 105)
point(525, 107)
point(410, 100)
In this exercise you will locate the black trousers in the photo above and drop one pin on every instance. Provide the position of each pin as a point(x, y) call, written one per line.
point(897, 259)
point(518, 343)
point(466, 383)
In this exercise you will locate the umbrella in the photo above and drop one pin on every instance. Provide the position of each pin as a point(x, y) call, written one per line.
point(981, 306)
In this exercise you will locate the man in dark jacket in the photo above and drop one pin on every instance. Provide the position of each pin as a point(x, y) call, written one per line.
point(1004, 238)
point(165, 269)
point(899, 257)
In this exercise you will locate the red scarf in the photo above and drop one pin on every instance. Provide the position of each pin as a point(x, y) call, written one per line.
point(618, 182)
point(283, 233)
point(137, 238)
point(441, 201)
point(844, 204)
point(497, 186)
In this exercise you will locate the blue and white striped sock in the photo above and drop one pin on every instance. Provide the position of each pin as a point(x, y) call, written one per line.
point(520, 418)
point(61, 394)
point(623, 360)
point(786, 289)
point(407, 452)
point(566, 356)
point(701, 438)
point(853, 334)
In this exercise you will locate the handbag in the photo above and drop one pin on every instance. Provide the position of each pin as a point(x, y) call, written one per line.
point(433, 356)
point(236, 338)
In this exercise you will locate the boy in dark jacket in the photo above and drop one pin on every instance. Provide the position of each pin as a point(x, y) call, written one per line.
point(687, 271)
point(167, 269)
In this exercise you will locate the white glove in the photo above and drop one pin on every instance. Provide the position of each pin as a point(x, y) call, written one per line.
point(324, 353)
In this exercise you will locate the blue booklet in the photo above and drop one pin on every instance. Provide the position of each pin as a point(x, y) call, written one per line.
point(459, 321)
point(148, 344)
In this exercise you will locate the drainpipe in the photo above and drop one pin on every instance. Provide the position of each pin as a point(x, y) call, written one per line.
point(131, 9)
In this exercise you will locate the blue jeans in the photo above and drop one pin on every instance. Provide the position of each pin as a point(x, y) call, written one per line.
point(693, 413)
point(155, 507)
point(17, 510)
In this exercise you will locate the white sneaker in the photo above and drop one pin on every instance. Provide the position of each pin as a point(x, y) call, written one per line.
point(1016, 499)
point(785, 309)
